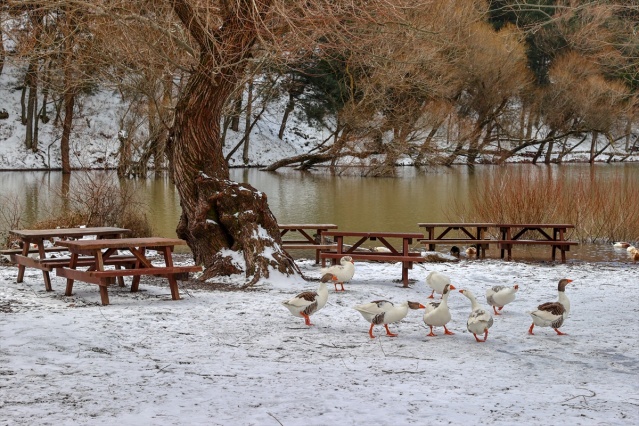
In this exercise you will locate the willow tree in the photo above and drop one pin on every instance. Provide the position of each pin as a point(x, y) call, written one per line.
point(221, 218)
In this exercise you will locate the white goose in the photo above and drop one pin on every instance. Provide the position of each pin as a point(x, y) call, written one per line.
point(437, 281)
point(307, 303)
point(385, 312)
point(552, 314)
point(499, 296)
point(479, 320)
point(341, 273)
point(621, 244)
point(437, 313)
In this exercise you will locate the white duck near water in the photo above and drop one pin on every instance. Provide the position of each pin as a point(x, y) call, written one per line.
point(437, 281)
point(385, 312)
point(499, 296)
point(552, 314)
point(621, 244)
point(437, 313)
point(479, 320)
point(341, 273)
point(307, 303)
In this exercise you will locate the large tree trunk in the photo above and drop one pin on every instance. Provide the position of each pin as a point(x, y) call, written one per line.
point(219, 217)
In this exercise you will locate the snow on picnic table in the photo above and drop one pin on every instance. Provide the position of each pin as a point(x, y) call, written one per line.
point(239, 358)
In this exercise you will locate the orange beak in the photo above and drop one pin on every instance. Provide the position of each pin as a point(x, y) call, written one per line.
point(569, 281)
point(461, 291)
point(516, 286)
point(452, 287)
point(421, 306)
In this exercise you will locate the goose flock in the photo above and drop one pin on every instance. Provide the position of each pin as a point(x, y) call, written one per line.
point(436, 313)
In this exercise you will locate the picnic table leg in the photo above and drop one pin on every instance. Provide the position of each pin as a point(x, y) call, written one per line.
point(21, 268)
point(47, 281)
point(72, 265)
point(405, 275)
point(45, 274)
point(135, 282)
point(168, 261)
point(104, 294)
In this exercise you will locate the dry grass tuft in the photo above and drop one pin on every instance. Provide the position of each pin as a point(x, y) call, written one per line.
point(602, 209)
point(98, 200)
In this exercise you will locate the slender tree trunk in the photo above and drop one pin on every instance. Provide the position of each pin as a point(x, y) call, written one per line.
point(593, 147)
point(67, 125)
point(68, 96)
point(219, 216)
point(290, 105)
point(23, 105)
point(32, 84)
point(237, 110)
point(247, 123)
point(2, 51)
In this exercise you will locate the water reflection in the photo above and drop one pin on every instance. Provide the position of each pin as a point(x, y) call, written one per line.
point(353, 202)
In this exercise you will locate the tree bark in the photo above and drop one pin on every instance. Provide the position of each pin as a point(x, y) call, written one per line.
point(67, 125)
point(32, 84)
point(247, 123)
point(2, 51)
point(220, 217)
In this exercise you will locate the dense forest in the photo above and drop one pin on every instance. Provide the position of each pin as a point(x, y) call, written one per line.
point(445, 82)
point(438, 82)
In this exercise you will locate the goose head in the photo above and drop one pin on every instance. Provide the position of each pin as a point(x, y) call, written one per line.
point(415, 305)
point(563, 283)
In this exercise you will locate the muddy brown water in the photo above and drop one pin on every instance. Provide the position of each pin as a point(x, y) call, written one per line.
point(353, 202)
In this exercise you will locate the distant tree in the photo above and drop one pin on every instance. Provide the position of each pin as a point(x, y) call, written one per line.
point(2, 50)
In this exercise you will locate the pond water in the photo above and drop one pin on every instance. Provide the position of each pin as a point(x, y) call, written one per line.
point(352, 202)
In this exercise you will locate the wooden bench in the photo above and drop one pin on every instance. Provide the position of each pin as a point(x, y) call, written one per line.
point(101, 251)
point(482, 245)
point(55, 249)
point(310, 242)
point(394, 254)
point(465, 233)
point(32, 238)
point(105, 278)
point(49, 264)
point(562, 246)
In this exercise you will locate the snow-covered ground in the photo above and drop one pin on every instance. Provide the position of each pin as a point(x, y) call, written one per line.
point(239, 358)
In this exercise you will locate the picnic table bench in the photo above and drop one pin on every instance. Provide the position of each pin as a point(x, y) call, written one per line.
point(317, 242)
point(102, 251)
point(509, 235)
point(471, 233)
point(33, 240)
point(557, 239)
point(392, 253)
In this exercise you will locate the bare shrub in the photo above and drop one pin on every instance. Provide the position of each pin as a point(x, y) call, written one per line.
point(99, 199)
point(11, 217)
point(603, 209)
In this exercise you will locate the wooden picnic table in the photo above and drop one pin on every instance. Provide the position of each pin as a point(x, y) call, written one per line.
point(471, 233)
point(510, 234)
point(393, 252)
point(39, 236)
point(317, 241)
point(102, 250)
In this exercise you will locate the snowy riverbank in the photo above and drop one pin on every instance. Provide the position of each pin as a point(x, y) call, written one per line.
point(239, 357)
